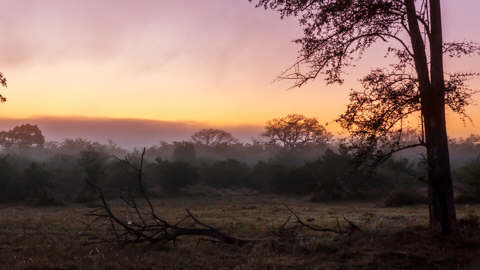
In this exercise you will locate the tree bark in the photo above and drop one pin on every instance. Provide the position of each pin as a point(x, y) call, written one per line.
point(432, 92)
point(442, 206)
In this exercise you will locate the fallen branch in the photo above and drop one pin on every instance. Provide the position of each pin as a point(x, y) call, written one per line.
point(146, 226)
point(151, 227)
point(352, 226)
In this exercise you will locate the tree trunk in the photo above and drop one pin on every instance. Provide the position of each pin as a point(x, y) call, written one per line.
point(442, 206)
point(432, 91)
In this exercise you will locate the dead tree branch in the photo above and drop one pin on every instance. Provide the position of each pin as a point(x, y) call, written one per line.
point(150, 227)
point(146, 226)
point(338, 229)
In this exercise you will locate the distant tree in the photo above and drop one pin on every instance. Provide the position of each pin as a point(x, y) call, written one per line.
point(213, 137)
point(294, 131)
point(24, 136)
point(336, 33)
point(183, 151)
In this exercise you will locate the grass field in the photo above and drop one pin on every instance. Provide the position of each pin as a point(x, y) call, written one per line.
point(390, 238)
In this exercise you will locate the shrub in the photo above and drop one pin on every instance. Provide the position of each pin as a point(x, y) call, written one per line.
point(92, 163)
point(176, 175)
point(264, 175)
point(299, 181)
point(225, 174)
point(404, 198)
point(38, 185)
point(10, 188)
point(468, 179)
point(183, 151)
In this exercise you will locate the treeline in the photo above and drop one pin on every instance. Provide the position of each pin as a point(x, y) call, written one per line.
point(39, 172)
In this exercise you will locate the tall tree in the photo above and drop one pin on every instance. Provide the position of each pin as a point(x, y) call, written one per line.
point(338, 32)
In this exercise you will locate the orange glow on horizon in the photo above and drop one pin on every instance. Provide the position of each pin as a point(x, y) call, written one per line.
point(212, 64)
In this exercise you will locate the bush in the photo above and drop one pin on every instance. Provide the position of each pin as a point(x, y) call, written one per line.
point(183, 151)
point(404, 198)
point(467, 199)
point(10, 188)
point(264, 176)
point(298, 181)
point(225, 174)
point(468, 179)
point(92, 163)
point(38, 185)
point(176, 175)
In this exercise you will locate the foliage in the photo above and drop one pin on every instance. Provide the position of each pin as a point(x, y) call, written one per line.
point(92, 163)
point(38, 184)
point(468, 179)
point(173, 176)
point(10, 188)
point(225, 174)
point(376, 115)
point(405, 198)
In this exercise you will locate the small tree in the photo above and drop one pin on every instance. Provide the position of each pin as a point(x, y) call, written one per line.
point(213, 137)
point(294, 131)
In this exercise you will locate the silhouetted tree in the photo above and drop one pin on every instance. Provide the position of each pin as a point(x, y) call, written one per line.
point(336, 33)
point(213, 137)
point(294, 131)
point(23, 136)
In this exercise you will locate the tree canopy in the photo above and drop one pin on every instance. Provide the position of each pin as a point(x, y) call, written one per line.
point(23, 136)
point(213, 137)
point(294, 131)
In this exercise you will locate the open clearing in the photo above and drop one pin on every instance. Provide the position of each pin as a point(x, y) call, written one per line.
point(390, 238)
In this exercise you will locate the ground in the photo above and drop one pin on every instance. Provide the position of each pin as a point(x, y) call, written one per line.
point(390, 238)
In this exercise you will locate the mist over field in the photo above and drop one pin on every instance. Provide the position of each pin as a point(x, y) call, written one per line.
point(128, 133)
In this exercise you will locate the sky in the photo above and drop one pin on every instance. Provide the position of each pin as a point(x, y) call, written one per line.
point(209, 62)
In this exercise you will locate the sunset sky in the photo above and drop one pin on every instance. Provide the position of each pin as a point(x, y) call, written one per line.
point(210, 61)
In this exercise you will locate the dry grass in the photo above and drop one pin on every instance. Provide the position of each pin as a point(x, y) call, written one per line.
point(391, 238)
